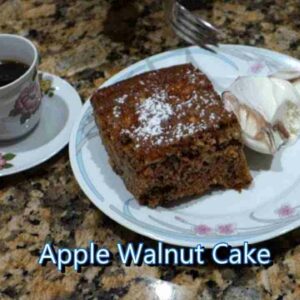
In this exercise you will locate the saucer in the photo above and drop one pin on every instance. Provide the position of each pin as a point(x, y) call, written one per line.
point(61, 106)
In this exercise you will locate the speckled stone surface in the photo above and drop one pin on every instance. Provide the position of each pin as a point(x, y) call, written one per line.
point(86, 42)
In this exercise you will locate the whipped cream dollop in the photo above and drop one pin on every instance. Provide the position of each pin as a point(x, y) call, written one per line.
point(267, 108)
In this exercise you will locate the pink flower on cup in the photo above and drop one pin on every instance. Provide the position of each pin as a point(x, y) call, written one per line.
point(203, 229)
point(226, 229)
point(28, 102)
point(4, 160)
point(285, 211)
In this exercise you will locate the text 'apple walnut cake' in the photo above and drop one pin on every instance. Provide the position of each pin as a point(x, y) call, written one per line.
point(169, 136)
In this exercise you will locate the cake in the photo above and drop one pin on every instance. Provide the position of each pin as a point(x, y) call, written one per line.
point(169, 136)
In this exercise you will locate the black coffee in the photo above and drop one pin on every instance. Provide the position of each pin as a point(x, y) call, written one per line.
point(11, 70)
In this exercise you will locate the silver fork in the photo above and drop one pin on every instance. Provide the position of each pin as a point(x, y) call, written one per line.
point(194, 30)
point(190, 27)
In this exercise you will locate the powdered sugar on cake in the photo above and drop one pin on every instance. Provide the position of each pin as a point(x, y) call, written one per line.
point(151, 113)
point(165, 117)
point(117, 108)
point(155, 117)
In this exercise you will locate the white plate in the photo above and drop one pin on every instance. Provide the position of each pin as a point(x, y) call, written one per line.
point(270, 207)
point(59, 113)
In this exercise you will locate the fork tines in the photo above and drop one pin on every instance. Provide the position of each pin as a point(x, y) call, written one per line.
point(192, 28)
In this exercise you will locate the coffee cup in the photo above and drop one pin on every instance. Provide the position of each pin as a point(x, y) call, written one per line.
point(20, 100)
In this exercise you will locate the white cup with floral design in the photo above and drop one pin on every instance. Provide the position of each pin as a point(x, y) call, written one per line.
point(20, 101)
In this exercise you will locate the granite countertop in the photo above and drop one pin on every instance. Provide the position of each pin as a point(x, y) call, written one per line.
point(86, 42)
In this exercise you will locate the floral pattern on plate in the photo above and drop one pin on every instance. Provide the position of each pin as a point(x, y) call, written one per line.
point(286, 211)
point(5, 160)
